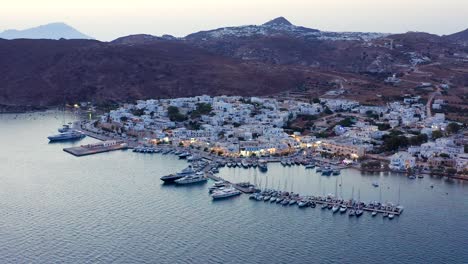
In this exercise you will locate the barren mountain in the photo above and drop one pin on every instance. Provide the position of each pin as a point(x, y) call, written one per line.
point(248, 60)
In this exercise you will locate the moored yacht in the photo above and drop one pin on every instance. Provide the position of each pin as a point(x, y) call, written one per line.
point(343, 208)
point(225, 193)
point(335, 208)
point(70, 135)
point(191, 179)
point(172, 177)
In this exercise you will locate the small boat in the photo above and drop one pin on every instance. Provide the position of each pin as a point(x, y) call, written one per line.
point(266, 198)
point(259, 197)
point(324, 206)
point(310, 166)
point(385, 214)
point(225, 193)
point(335, 208)
point(279, 200)
point(343, 209)
point(330, 206)
point(285, 202)
point(326, 172)
point(319, 169)
point(292, 201)
point(302, 203)
point(313, 204)
point(336, 172)
point(229, 164)
point(64, 128)
point(359, 212)
point(244, 164)
point(420, 176)
point(283, 162)
point(375, 184)
point(374, 213)
point(391, 216)
point(411, 177)
point(253, 196)
point(263, 166)
point(272, 199)
point(351, 212)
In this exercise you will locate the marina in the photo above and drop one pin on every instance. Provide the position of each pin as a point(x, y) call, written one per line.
point(122, 187)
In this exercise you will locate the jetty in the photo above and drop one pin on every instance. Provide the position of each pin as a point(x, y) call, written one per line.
point(100, 147)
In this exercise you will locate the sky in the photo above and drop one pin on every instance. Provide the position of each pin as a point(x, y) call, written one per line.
point(110, 19)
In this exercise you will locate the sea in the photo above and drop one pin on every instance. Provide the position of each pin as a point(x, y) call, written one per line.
point(113, 208)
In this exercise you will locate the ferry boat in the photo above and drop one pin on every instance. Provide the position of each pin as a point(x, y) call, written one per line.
point(70, 135)
point(190, 179)
point(172, 177)
point(225, 193)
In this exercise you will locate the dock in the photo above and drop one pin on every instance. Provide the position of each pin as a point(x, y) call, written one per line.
point(90, 149)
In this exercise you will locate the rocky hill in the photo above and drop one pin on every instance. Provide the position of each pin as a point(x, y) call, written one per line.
point(274, 57)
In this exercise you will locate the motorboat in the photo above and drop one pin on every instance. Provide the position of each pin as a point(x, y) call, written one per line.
point(263, 166)
point(64, 128)
point(302, 203)
point(343, 208)
point(359, 212)
point(335, 208)
point(225, 193)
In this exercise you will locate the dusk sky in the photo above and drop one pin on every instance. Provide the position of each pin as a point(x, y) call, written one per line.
point(109, 19)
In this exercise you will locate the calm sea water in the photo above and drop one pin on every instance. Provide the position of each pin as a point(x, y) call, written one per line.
point(112, 207)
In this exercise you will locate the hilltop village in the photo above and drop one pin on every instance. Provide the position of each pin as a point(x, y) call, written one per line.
point(400, 136)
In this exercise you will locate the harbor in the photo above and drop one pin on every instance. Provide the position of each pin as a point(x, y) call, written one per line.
point(63, 192)
point(223, 188)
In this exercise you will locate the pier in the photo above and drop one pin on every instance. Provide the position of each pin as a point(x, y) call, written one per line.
point(90, 149)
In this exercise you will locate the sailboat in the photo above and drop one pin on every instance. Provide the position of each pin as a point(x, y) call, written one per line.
point(359, 210)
